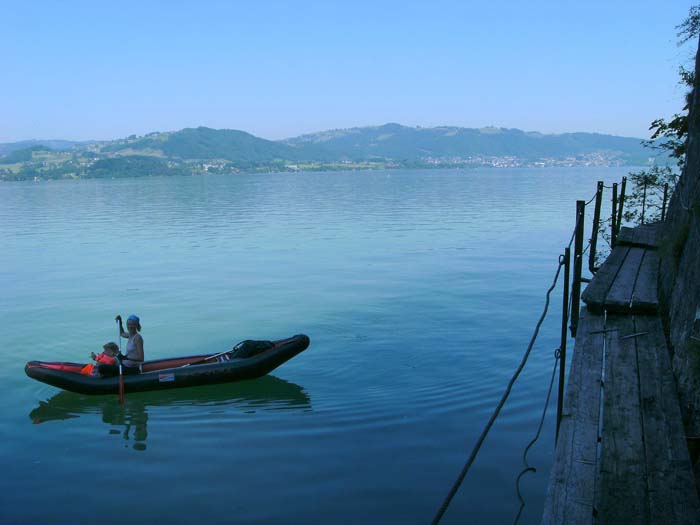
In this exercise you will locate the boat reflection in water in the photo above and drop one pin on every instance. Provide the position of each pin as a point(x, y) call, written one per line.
point(267, 393)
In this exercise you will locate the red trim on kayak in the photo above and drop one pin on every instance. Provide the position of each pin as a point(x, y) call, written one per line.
point(75, 368)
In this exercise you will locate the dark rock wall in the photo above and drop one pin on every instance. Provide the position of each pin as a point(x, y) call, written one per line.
point(679, 277)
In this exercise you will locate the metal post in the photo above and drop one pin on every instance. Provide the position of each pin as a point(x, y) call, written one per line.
point(663, 206)
point(596, 225)
point(578, 260)
point(644, 201)
point(564, 336)
point(620, 205)
point(613, 217)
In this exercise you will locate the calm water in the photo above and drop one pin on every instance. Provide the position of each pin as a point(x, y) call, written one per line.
point(419, 290)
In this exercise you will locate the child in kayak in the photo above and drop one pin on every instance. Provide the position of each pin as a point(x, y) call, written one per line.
point(107, 357)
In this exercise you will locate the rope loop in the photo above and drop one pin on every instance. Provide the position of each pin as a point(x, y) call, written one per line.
point(527, 466)
point(557, 353)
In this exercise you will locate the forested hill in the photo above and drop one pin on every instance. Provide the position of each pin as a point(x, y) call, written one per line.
point(206, 150)
point(8, 147)
point(401, 142)
point(208, 144)
point(387, 142)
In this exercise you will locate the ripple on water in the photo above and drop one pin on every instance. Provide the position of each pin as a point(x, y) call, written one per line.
point(419, 291)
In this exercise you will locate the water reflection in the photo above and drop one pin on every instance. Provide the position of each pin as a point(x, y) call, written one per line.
point(268, 393)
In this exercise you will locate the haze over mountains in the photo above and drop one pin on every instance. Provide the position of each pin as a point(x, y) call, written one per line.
point(195, 150)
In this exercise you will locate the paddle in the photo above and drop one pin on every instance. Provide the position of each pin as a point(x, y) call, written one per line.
point(208, 358)
point(121, 375)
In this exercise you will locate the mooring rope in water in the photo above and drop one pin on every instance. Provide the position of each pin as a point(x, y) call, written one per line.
point(497, 411)
point(528, 468)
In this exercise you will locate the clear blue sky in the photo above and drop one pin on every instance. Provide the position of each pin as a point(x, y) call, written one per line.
point(84, 70)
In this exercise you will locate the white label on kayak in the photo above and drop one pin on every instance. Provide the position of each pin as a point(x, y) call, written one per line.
point(163, 378)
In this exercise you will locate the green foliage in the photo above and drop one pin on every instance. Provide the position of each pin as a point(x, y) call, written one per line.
point(670, 136)
point(30, 172)
point(22, 155)
point(132, 166)
point(644, 203)
point(690, 27)
point(210, 144)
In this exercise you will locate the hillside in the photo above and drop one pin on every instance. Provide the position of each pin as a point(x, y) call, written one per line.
point(387, 142)
point(206, 150)
point(58, 145)
point(208, 144)
point(22, 155)
point(406, 143)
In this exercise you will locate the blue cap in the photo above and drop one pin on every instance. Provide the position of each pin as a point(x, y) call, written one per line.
point(133, 317)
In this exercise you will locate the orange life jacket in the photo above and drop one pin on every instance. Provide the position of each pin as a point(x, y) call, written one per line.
point(101, 358)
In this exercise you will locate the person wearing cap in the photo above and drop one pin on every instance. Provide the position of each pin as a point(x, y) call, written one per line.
point(131, 361)
point(107, 357)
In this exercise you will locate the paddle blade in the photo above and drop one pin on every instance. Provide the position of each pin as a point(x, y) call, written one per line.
point(121, 389)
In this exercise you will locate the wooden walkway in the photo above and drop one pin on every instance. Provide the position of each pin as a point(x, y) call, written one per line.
point(621, 455)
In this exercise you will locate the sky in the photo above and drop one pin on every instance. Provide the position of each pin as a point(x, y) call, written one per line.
point(101, 70)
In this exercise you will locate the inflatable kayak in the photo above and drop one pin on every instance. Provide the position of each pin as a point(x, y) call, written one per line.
point(247, 360)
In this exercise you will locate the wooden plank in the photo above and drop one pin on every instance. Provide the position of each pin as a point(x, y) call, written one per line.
point(644, 236)
point(649, 235)
point(626, 236)
point(645, 299)
point(621, 484)
point(619, 298)
point(571, 489)
point(670, 481)
point(595, 293)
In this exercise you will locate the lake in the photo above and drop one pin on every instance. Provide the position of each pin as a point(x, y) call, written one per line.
point(419, 290)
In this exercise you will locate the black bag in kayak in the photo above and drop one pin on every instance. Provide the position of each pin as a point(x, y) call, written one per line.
point(250, 348)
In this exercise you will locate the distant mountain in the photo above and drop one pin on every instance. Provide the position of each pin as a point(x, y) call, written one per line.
point(390, 141)
point(208, 144)
point(399, 142)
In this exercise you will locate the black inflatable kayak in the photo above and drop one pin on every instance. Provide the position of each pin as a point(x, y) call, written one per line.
point(175, 372)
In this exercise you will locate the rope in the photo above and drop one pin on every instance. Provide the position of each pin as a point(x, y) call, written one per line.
point(504, 397)
point(528, 468)
point(578, 219)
